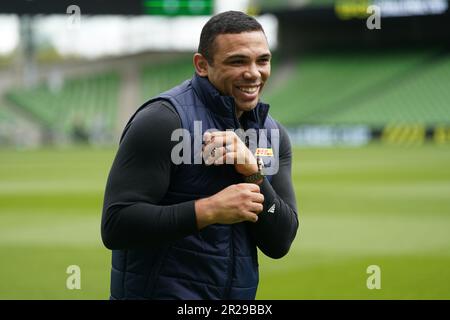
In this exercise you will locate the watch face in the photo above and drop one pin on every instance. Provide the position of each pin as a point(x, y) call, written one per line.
point(254, 177)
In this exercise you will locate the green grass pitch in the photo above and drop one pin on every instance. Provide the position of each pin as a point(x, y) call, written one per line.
point(378, 205)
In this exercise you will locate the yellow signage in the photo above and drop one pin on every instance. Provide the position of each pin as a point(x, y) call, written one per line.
point(264, 152)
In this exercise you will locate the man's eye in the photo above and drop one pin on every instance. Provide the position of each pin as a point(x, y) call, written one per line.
point(237, 62)
point(264, 61)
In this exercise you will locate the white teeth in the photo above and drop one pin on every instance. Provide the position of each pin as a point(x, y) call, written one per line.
point(248, 89)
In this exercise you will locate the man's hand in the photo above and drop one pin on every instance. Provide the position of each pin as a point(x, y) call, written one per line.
point(236, 203)
point(225, 147)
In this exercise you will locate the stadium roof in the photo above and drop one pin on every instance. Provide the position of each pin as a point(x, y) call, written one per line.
point(108, 7)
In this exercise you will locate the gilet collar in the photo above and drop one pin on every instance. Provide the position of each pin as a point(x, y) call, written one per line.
point(225, 105)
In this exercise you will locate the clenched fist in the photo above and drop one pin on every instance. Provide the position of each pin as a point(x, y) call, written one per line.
point(236, 203)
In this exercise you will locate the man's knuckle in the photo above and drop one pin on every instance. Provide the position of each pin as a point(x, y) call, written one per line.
point(241, 213)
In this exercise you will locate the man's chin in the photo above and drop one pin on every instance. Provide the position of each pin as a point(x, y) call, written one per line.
point(246, 106)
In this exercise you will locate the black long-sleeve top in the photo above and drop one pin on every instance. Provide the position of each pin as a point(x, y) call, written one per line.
point(140, 176)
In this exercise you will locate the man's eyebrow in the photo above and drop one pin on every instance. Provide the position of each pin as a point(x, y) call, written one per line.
point(265, 56)
point(236, 56)
point(241, 56)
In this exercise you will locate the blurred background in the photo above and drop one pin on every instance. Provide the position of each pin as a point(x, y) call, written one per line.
point(363, 87)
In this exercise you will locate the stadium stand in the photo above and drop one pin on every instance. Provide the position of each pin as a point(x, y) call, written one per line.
point(5, 116)
point(161, 77)
point(365, 88)
point(81, 101)
point(422, 98)
point(15, 130)
point(7, 121)
point(337, 88)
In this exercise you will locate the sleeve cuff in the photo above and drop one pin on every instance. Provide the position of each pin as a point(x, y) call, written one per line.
point(186, 217)
point(269, 194)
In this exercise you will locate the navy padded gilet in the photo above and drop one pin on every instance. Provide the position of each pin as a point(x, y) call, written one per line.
point(219, 261)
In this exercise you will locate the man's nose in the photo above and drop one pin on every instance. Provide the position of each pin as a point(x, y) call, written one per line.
point(252, 72)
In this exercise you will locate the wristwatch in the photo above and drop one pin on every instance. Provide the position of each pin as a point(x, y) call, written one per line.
point(258, 175)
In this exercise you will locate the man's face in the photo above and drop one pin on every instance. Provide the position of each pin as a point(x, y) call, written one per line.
point(241, 66)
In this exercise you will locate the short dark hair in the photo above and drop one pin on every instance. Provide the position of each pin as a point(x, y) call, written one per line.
point(226, 22)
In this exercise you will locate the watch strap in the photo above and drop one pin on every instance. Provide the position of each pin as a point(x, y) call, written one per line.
point(254, 177)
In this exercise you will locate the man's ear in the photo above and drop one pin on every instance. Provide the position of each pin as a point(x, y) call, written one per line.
point(201, 65)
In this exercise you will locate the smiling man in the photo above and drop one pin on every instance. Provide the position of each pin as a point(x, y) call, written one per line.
point(240, 67)
point(189, 230)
